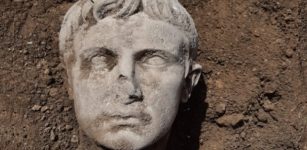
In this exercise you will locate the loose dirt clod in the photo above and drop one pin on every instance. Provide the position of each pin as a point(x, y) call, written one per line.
point(230, 120)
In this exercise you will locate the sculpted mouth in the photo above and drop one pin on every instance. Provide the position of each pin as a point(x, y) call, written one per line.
point(142, 117)
point(124, 120)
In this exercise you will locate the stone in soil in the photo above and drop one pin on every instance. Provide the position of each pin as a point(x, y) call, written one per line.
point(262, 116)
point(230, 120)
point(36, 108)
point(74, 139)
point(220, 108)
point(53, 136)
point(44, 109)
point(268, 106)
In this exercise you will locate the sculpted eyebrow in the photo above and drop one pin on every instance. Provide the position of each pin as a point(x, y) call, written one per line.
point(96, 51)
point(152, 52)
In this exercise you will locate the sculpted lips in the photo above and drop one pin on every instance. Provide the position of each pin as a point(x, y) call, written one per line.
point(117, 120)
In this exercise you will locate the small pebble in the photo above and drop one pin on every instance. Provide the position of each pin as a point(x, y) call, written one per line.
point(220, 108)
point(53, 136)
point(74, 139)
point(53, 92)
point(36, 107)
point(289, 53)
point(67, 108)
point(47, 72)
point(43, 118)
point(44, 109)
point(243, 134)
point(262, 116)
point(47, 130)
point(268, 106)
point(68, 127)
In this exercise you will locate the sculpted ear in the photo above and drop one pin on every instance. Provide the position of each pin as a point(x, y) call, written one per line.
point(191, 81)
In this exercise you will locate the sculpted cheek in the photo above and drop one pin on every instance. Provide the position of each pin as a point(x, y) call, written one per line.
point(149, 79)
point(153, 78)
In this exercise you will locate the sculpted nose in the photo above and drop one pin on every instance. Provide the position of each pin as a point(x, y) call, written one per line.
point(128, 83)
point(131, 90)
point(134, 96)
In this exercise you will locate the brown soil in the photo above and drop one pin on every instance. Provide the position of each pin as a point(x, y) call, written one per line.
point(252, 97)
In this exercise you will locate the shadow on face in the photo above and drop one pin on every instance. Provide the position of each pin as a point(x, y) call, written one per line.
point(186, 130)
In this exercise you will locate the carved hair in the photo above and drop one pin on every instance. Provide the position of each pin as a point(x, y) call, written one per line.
point(85, 12)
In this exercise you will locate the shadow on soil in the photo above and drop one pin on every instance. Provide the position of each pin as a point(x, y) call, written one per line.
point(187, 127)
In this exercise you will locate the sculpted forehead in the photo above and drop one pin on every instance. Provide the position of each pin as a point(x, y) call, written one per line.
point(136, 33)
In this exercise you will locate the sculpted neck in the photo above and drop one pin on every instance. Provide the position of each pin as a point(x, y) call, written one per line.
point(86, 144)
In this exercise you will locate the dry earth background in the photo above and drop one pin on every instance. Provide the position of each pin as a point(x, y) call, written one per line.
point(253, 97)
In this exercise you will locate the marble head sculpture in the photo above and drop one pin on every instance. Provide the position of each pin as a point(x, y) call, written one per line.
point(129, 65)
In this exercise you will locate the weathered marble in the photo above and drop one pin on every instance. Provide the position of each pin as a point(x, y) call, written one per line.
point(129, 64)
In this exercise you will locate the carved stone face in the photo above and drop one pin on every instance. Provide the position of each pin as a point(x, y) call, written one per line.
point(128, 79)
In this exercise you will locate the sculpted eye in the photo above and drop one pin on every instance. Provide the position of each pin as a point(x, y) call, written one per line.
point(155, 61)
point(99, 63)
point(152, 58)
point(103, 62)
